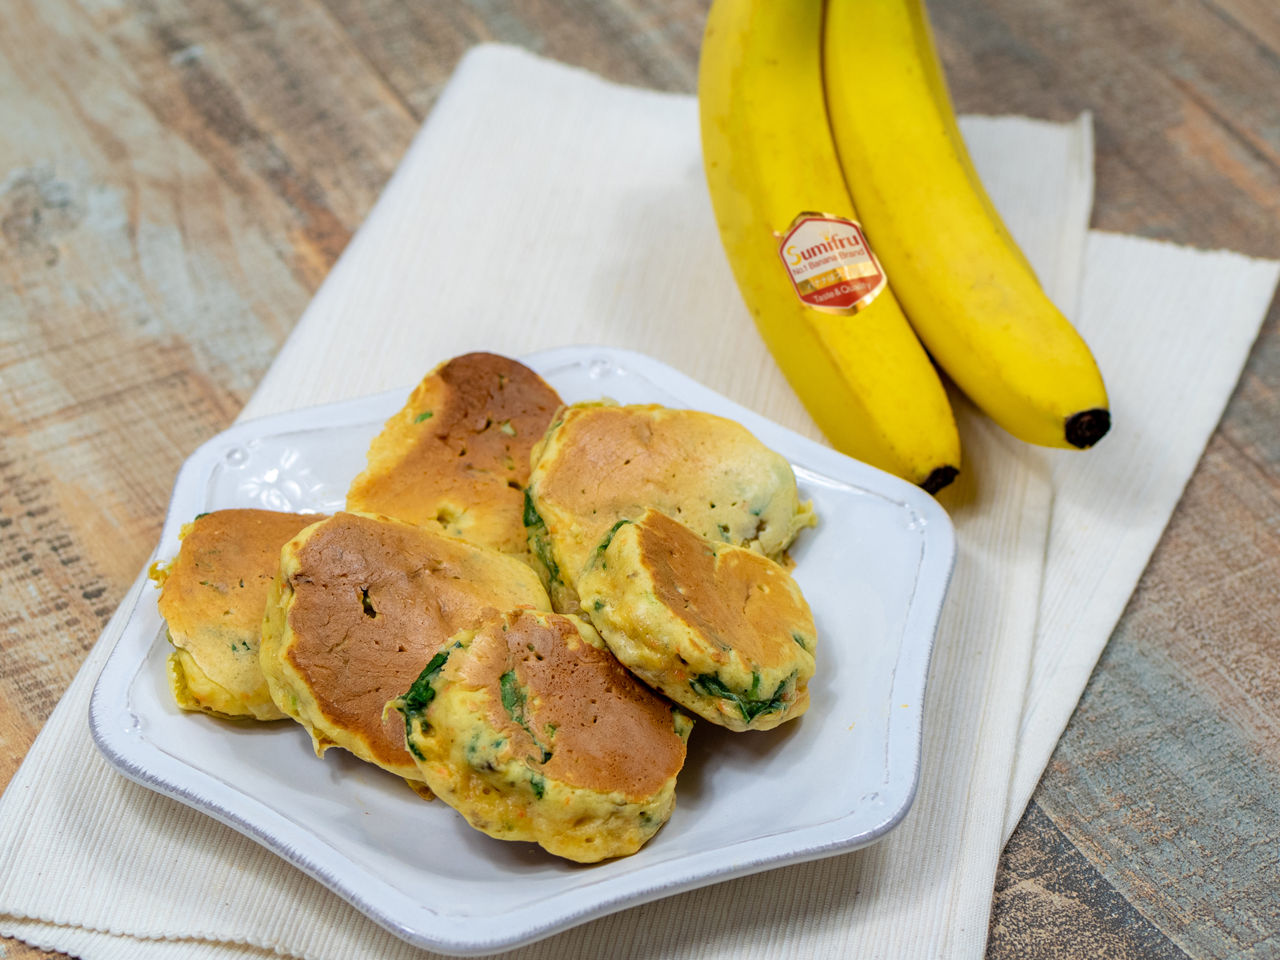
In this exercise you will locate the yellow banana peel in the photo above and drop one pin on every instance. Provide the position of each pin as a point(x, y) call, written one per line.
point(966, 288)
point(770, 159)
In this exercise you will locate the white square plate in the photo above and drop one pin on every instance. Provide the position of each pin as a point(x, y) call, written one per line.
point(875, 571)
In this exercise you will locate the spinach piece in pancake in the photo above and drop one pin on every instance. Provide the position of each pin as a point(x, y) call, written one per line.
point(539, 540)
point(513, 698)
point(531, 516)
point(540, 544)
point(749, 705)
point(608, 537)
point(413, 705)
point(514, 701)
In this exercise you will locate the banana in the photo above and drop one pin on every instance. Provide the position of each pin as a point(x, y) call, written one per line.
point(942, 97)
point(779, 197)
point(969, 295)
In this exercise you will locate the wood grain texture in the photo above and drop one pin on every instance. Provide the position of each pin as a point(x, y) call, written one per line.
point(648, 43)
point(1167, 777)
point(177, 178)
point(1051, 902)
point(1183, 94)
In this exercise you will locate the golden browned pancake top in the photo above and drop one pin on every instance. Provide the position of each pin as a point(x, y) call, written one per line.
point(603, 463)
point(612, 733)
point(461, 445)
point(224, 570)
point(725, 595)
point(374, 601)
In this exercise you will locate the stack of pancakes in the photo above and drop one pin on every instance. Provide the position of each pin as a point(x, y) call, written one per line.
point(520, 608)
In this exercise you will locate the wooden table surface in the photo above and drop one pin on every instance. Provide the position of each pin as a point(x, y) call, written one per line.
point(177, 176)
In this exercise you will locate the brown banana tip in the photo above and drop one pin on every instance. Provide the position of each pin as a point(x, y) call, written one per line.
point(939, 479)
point(1086, 428)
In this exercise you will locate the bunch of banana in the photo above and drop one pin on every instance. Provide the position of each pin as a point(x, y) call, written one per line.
point(776, 86)
point(790, 230)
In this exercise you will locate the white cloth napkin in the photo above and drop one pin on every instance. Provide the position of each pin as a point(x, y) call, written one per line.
point(1171, 328)
point(541, 206)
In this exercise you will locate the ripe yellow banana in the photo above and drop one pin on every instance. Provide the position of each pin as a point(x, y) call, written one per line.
point(972, 299)
point(769, 160)
point(942, 97)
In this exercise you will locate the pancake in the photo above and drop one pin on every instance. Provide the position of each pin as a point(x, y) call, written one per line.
point(456, 458)
point(358, 608)
point(532, 730)
point(600, 463)
point(212, 596)
point(722, 631)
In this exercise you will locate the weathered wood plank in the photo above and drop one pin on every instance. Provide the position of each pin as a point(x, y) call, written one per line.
point(1184, 99)
point(276, 99)
point(416, 46)
point(1051, 903)
point(1167, 777)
